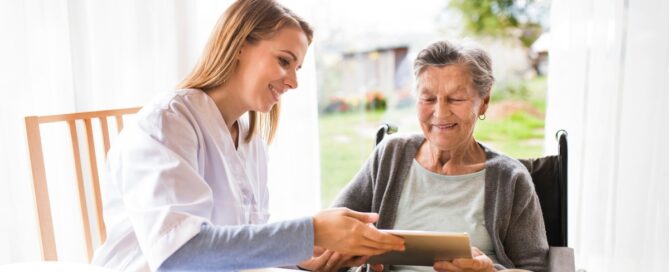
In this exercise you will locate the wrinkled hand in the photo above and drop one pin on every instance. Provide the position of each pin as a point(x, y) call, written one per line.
point(478, 263)
point(347, 232)
point(330, 261)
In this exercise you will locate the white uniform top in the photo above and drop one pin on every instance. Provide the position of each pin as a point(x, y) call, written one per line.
point(173, 170)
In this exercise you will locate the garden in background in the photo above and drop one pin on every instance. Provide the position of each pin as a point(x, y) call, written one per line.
point(365, 76)
point(514, 125)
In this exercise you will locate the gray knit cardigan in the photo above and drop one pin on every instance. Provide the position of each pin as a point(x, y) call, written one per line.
point(512, 211)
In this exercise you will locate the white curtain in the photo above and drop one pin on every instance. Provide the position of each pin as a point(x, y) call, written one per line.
point(294, 163)
point(609, 87)
point(59, 56)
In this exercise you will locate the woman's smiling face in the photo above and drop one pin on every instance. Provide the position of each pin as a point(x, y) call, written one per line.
point(448, 105)
point(268, 68)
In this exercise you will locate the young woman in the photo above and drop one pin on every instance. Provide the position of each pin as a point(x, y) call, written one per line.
point(186, 186)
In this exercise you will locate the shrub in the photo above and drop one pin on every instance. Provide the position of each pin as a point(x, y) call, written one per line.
point(375, 101)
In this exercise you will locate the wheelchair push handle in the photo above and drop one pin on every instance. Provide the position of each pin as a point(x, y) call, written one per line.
point(384, 129)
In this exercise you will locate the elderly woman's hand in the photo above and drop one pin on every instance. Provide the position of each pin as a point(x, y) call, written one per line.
point(330, 261)
point(479, 263)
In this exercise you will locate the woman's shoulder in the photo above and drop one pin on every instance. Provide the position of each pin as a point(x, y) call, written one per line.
point(402, 140)
point(398, 148)
point(500, 159)
point(179, 104)
point(173, 101)
point(505, 166)
point(173, 112)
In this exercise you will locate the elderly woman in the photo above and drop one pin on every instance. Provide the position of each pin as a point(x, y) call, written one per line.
point(444, 180)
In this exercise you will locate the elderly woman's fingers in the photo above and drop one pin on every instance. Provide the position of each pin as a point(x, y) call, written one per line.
point(356, 261)
point(317, 262)
point(466, 263)
point(334, 263)
point(476, 252)
point(478, 263)
point(446, 266)
point(318, 251)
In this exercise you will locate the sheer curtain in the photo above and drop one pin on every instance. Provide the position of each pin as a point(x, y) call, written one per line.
point(59, 56)
point(294, 165)
point(609, 87)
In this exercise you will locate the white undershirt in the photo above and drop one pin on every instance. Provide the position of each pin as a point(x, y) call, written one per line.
point(435, 202)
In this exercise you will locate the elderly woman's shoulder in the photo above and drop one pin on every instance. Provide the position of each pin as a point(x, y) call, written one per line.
point(399, 146)
point(402, 140)
point(504, 163)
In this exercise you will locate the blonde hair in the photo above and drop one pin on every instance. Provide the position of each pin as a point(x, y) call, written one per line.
point(244, 21)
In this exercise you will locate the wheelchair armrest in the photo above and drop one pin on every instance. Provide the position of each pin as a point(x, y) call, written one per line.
point(561, 259)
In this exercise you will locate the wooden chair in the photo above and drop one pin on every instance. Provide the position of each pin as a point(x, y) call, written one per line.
point(46, 231)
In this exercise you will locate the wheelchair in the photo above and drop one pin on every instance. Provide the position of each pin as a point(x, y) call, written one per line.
point(549, 175)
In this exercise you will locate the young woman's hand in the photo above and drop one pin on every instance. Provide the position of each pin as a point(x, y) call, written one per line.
point(478, 263)
point(351, 233)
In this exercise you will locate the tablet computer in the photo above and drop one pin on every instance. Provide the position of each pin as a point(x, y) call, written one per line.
point(423, 248)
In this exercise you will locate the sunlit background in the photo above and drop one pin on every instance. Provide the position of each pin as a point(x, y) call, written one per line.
point(599, 69)
point(364, 61)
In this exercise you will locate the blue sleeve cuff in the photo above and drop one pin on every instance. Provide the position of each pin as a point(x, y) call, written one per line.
point(223, 248)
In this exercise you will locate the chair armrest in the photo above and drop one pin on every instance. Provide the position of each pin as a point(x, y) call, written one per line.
point(561, 259)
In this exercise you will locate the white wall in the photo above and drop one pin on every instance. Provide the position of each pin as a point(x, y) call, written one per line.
point(59, 56)
point(609, 87)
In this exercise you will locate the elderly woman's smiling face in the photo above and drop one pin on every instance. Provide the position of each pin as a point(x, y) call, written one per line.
point(448, 105)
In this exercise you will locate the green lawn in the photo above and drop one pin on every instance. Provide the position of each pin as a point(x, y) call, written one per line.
point(519, 135)
point(347, 139)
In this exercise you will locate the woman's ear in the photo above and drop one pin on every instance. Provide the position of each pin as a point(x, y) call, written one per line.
point(241, 50)
point(484, 105)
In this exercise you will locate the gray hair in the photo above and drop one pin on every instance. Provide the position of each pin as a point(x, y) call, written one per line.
point(444, 53)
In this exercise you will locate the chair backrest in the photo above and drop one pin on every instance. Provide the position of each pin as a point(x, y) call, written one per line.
point(42, 203)
point(549, 175)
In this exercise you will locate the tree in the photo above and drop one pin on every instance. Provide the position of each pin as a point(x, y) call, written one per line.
point(503, 18)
